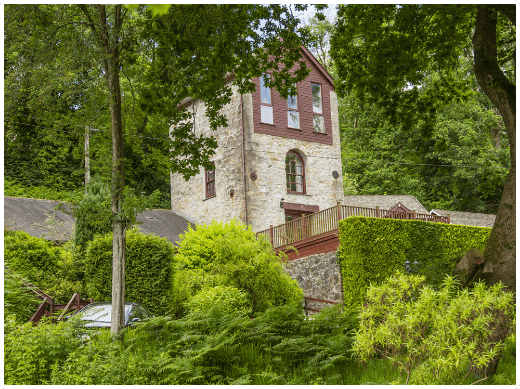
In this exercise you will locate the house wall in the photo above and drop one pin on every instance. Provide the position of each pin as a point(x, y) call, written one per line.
point(304, 99)
point(266, 157)
point(189, 198)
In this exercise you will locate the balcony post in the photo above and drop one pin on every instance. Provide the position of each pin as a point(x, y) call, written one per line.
point(339, 211)
point(377, 211)
point(448, 218)
point(271, 234)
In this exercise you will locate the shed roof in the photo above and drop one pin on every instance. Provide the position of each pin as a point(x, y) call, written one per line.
point(467, 218)
point(34, 217)
point(385, 202)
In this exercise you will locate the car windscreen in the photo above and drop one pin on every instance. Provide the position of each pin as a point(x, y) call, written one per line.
point(101, 313)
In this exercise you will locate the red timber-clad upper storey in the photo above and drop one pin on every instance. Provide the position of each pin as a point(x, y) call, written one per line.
point(300, 119)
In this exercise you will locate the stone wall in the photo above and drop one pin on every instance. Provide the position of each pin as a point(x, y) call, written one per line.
point(266, 157)
point(189, 198)
point(319, 276)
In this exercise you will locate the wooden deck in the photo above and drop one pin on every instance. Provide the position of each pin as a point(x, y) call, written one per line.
point(318, 232)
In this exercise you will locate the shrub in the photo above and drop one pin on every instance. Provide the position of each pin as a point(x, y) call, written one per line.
point(32, 352)
point(230, 255)
point(93, 213)
point(34, 258)
point(18, 300)
point(197, 247)
point(434, 337)
point(147, 270)
point(372, 249)
point(227, 298)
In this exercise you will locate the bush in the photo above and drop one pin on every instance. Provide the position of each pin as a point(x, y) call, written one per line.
point(31, 353)
point(34, 258)
point(19, 301)
point(147, 270)
point(371, 250)
point(93, 213)
point(56, 271)
point(230, 255)
point(434, 337)
point(227, 298)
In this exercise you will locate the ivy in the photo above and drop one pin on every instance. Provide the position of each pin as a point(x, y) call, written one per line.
point(372, 249)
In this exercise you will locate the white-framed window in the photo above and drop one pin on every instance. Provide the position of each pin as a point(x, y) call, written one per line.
point(317, 109)
point(293, 116)
point(266, 106)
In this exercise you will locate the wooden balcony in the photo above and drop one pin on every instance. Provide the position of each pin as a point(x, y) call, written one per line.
point(320, 225)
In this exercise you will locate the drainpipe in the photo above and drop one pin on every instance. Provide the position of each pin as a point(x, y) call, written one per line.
point(243, 155)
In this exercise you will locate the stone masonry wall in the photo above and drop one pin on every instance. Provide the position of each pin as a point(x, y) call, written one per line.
point(319, 276)
point(265, 155)
point(189, 198)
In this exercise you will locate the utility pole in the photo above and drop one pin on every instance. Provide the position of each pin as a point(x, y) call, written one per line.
point(87, 158)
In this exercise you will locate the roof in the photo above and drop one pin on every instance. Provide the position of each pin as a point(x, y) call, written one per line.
point(40, 219)
point(385, 202)
point(467, 218)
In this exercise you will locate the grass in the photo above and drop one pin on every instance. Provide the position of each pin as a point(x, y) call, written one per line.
point(13, 189)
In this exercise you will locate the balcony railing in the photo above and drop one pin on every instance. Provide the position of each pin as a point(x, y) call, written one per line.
point(320, 223)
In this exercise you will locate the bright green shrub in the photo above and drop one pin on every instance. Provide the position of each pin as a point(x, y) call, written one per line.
point(227, 298)
point(57, 271)
point(186, 284)
point(434, 337)
point(197, 246)
point(371, 249)
point(18, 301)
point(34, 258)
point(147, 270)
point(32, 352)
point(232, 253)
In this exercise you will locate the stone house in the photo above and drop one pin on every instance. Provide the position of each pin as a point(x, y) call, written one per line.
point(277, 160)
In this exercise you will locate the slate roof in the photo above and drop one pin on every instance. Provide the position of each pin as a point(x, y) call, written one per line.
point(468, 218)
point(32, 215)
point(385, 202)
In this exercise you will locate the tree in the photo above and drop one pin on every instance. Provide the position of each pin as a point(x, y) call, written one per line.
point(80, 53)
point(384, 53)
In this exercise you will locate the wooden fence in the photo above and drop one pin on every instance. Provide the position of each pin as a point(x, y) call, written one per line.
point(320, 223)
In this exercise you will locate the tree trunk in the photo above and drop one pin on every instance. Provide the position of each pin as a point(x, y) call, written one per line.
point(108, 37)
point(500, 249)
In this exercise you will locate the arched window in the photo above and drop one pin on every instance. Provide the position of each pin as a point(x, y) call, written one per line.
point(295, 173)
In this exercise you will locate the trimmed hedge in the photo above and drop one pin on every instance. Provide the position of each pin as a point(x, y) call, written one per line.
point(148, 270)
point(372, 249)
point(34, 258)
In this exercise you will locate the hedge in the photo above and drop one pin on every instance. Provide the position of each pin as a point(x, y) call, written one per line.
point(148, 270)
point(34, 258)
point(372, 249)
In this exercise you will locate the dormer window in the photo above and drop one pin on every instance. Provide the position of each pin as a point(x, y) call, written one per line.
point(293, 116)
point(317, 109)
point(266, 107)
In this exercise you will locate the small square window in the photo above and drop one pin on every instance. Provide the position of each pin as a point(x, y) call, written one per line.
point(266, 115)
point(319, 123)
point(293, 119)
